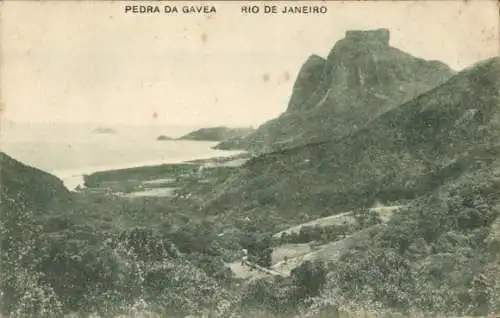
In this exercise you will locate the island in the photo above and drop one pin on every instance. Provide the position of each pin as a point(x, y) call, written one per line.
point(163, 137)
point(104, 130)
point(220, 133)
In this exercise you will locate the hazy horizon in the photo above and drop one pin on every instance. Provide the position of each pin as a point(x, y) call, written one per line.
point(74, 62)
point(117, 124)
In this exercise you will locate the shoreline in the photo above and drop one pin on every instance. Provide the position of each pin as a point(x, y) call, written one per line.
point(74, 178)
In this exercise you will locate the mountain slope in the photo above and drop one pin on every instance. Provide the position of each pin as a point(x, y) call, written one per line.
point(408, 151)
point(33, 187)
point(362, 77)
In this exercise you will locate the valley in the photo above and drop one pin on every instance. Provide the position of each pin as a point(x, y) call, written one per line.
point(376, 191)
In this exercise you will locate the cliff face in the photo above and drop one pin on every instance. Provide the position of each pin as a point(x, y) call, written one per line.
point(307, 81)
point(361, 78)
point(347, 66)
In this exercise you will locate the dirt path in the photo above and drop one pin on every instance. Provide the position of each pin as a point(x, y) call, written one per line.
point(385, 213)
point(296, 254)
point(250, 270)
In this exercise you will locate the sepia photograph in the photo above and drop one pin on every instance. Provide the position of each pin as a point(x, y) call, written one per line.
point(249, 159)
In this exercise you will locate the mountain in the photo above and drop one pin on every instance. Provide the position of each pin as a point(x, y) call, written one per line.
point(408, 151)
point(29, 186)
point(217, 133)
point(361, 78)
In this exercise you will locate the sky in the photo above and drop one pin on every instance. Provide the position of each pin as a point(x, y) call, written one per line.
point(89, 61)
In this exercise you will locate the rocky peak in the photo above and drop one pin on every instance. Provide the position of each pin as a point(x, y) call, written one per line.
point(360, 42)
point(381, 36)
point(309, 77)
point(361, 78)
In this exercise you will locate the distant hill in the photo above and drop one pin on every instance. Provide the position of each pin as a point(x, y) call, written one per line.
point(361, 78)
point(217, 133)
point(408, 151)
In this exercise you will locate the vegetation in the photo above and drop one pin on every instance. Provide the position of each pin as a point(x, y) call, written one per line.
point(281, 297)
point(106, 255)
point(432, 255)
point(258, 246)
point(54, 265)
point(116, 258)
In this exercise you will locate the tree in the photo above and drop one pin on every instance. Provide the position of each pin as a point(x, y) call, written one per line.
point(259, 247)
point(366, 217)
point(310, 278)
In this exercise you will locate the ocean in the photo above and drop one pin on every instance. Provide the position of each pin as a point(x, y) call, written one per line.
point(70, 150)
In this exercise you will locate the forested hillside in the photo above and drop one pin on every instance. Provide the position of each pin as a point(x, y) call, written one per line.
point(89, 257)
